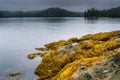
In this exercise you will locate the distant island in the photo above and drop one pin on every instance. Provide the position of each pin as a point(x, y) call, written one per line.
point(58, 12)
point(49, 12)
point(113, 12)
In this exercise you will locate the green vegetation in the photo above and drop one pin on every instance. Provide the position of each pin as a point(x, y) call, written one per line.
point(113, 12)
point(1, 15)
point(58, 12)
point(50, 12)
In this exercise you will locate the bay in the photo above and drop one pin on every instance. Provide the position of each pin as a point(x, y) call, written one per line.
point(19, 37)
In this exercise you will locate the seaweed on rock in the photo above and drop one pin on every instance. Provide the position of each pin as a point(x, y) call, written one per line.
point(77, 58)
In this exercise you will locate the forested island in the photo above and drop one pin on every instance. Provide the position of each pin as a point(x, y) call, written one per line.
point(49, 12)
point(58, 12)
point(113, 12)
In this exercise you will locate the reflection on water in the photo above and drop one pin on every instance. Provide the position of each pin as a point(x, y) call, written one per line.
point(91, 20)
point(54, 20)
point(44, 20)
point(19, 37)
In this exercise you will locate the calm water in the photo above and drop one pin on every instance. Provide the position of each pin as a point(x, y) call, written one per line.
point(19, 37)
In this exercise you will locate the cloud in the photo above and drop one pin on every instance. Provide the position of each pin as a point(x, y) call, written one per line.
point(77, 5)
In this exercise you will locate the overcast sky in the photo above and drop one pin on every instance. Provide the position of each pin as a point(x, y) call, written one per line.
point(76, 5)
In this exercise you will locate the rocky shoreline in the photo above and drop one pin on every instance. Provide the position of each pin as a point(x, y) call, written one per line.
point(91, 57)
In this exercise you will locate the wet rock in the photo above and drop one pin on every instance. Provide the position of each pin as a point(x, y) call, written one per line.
point(14, 74)
point(31, 56)
point(92, 57)
point(41, 49)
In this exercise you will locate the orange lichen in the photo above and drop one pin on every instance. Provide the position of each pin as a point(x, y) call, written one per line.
point(53, 52)
point(41, 49)
point(63, 58)
point(31, 56)
point(69, 69)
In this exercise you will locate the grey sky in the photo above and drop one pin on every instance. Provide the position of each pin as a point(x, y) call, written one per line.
point(76, 5)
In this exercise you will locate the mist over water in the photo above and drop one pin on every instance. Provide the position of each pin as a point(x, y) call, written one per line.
point(19, 37)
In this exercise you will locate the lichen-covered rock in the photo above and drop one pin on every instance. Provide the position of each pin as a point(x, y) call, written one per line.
point(31, 56)
point(92, 57)
point(104, 70)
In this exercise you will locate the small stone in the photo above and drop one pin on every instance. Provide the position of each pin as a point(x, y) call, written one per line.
point(31, 56)
point(14, 74)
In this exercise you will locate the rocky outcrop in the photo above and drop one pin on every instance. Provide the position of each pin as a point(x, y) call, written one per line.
point(91, 57)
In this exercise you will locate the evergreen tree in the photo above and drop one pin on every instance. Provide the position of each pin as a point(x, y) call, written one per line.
point(1, 15)
point(113, 12)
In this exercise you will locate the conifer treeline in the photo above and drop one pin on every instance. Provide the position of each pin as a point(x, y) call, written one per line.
point(50, 12)
point(58, 12)
point(113, 12)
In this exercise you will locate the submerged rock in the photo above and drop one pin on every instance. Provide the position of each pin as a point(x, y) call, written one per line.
point(92, 57)
point(14, 74)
